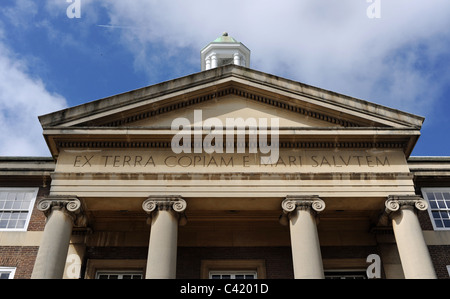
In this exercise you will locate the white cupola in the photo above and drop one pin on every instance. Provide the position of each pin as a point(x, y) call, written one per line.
point(224, 50)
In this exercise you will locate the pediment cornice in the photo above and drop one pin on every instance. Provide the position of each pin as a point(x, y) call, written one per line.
point(280, 93)
point(345, 121)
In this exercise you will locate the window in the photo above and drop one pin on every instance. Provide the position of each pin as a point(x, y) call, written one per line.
point(7, 273)
point(345, 274)
point(439, 206)
point(16, 205)
point(115, 269)
point(232, 275)
point(119, 275)
point(233, 269)
point(448, 269)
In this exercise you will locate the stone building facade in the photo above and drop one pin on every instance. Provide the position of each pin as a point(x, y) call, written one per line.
point(226, 173)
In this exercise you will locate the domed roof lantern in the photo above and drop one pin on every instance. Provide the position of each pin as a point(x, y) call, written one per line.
point(224, 50)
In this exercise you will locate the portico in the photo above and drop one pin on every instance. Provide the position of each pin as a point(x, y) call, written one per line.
point(340, 174)
point(167, 216)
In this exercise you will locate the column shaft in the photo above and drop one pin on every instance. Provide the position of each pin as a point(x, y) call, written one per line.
point(306, 255)
point(52, 253)
point(162, 249)
point(416, 260)
point(51, 258)
point(413, 251)
point(213, 60)
point(162, 252)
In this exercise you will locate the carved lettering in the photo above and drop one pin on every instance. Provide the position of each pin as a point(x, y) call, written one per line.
point(223, 162)
point(358, 158)
point(126, 160)
point(77, 161)
point(316, 164)
point(369, 161)
point(245, 161)
point(348, 161)
point(137, 160)
point(280, 161)
point(106, 159)
point(82, 161)
point(150, 161)
point(386, 161)
point(320, 161)
point(325, 161)
point(170, 161)
point(116, 161)
point(334, 162)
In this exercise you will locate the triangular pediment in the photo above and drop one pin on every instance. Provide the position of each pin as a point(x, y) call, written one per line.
point(232, 92)
point(231, 107)
point(256, 90)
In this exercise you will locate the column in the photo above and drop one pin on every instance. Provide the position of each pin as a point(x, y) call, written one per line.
point(165, 213)
point(306, 255)
point(237, 59)
point(213, 60)
point(208, 63)
point(414, 255)
point(62, 213)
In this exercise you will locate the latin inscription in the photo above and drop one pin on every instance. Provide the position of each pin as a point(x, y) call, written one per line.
point(207, 161)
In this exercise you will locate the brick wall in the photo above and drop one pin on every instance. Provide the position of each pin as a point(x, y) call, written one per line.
point(278, 260)
point(424, 220)
point(440, 256)
point(22, 258)
point(37, 220)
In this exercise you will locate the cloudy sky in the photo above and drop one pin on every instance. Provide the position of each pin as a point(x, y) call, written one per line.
point(56, 54)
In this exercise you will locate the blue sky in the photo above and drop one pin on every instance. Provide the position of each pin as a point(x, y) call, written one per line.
point(49, 61)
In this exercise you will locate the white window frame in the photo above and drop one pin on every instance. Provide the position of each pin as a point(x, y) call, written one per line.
point(345, 274)
point(34, 191)
point(430, 210)
point(10, 270)
point(119, 273)
point(234, 273)
point(448, 269)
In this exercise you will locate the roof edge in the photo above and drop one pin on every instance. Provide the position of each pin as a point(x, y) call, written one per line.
point(208, 76)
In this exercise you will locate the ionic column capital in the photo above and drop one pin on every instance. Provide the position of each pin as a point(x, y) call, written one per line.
point(396, 202)
point(70, 205)
point(165, 203)
point(313, 204)
point(292, 203)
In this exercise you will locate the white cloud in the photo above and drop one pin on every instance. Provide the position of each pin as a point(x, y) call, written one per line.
point(20, 14)
point(22, 99)
point(327, 43)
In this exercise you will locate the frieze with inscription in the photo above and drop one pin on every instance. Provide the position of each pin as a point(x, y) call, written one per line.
point(158, 160)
